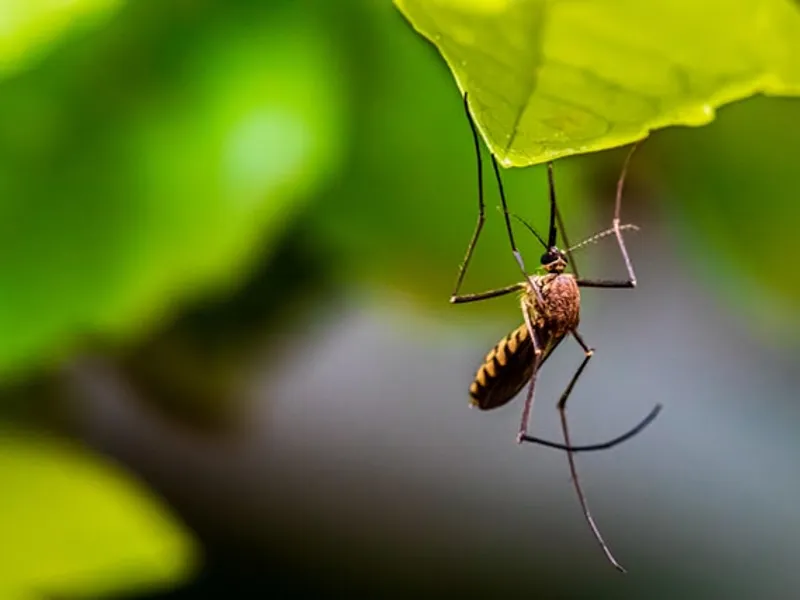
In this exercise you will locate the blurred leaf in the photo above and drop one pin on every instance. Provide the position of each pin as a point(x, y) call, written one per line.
point(549, 79)
point(733, 191)
point(156, 163)
point(73, 525)
point(196, 372)
point(29, 27)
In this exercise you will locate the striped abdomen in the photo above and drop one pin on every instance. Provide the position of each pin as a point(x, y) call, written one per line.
point(508, 367)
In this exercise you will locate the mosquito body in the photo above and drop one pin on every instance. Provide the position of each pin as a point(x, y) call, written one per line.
point(509, 365)
point(550, 304)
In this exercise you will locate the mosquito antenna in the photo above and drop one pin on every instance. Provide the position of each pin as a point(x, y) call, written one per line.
point(599, 236)
point(604, 445)
point(530, 228)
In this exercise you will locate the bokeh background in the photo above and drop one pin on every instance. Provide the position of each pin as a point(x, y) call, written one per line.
point(228, 236)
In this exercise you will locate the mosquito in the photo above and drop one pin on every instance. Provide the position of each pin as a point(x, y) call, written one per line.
point(550, 304)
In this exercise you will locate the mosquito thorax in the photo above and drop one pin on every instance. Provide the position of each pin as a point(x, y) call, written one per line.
point(554, 261)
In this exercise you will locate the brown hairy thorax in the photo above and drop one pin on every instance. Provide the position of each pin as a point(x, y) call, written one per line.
point(559, 311)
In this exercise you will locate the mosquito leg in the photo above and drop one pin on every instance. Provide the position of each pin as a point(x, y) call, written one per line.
point(614, 283)
point(464, 298)
point(607, 283)
point(462, 270)
point(616, 222)
point(507, 217)
point(455, 297)
point(537, 354)
point(559, 220)
point(562, 410)
point(604, 445)
point(615, 225)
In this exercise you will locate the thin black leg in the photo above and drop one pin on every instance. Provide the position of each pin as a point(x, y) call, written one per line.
point(607, 283)
point(537, 354)
point(464, 298)
point(617, 228)
point(462, 270)
point(562, 410)
point(617, 212)
point(557, 213)
point(507, 217)
point(603, 445)
point(455, 297)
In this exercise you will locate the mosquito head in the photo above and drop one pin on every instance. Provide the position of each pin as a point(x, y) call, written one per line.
point(554, 260)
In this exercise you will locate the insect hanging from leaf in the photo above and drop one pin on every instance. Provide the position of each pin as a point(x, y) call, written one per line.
point(550, 304)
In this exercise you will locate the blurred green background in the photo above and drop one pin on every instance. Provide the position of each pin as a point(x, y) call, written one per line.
point(228, 367)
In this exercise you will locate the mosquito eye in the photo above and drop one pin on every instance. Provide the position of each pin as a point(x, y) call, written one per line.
point(547, 258)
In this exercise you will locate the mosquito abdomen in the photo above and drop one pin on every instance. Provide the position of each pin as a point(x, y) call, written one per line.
point(505, 370)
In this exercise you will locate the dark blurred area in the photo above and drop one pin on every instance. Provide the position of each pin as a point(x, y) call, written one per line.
point(228, 236)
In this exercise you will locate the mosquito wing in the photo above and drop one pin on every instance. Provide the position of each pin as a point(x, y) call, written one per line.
point(508, 367)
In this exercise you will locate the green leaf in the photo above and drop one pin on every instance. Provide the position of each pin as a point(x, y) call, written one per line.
point(29, 27)
point(75, 525)
point(551, 78)
point(152, 164)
